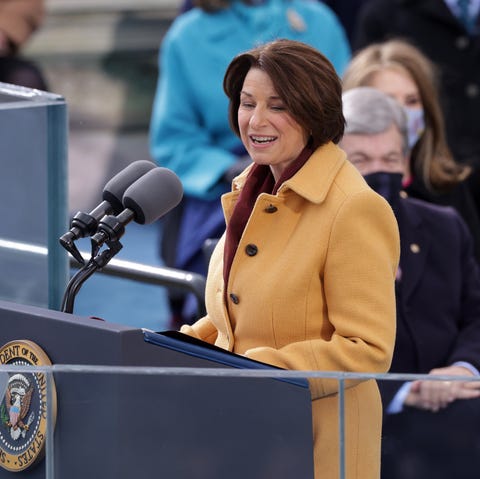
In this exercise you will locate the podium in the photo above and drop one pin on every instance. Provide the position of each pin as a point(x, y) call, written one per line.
point(129, 426)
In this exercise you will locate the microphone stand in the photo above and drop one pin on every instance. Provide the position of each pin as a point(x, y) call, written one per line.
point(95, 263)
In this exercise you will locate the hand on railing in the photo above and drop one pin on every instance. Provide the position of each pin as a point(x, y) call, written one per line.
point(435, 395)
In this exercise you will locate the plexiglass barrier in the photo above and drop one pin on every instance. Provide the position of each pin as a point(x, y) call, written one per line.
point(125, 422)
point(33, 191)
point(108, 400)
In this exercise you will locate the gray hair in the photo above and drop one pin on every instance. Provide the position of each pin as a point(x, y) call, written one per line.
point(369, 111)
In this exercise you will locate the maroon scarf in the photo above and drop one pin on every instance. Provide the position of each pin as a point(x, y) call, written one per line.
point(259, 180)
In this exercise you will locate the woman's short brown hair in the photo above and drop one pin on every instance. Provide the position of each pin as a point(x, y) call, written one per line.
point(303, 78)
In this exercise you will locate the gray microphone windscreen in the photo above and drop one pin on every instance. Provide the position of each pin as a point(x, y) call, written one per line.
point(116, 187)
point(153, 195)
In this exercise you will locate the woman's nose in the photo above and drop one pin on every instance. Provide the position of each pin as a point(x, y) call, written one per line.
point(258, 118)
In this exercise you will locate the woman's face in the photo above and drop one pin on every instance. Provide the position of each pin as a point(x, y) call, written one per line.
point(269, 133)
point(399, 85)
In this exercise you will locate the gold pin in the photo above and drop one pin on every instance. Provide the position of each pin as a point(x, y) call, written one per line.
point(414, 248)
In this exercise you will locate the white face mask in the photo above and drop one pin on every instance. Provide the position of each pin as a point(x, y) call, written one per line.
point(415, 124)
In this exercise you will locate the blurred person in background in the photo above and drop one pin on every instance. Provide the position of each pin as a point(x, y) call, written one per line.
point(347, 12)
point(403, 72)
point(447, 32)
point(430, 428)
point(18, 21)
point(189, 131)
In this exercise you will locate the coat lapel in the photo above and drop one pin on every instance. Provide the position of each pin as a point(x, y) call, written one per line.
point(415, 243)
point(311, 182)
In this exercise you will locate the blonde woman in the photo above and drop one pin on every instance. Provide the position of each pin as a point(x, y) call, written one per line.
point(403, 72)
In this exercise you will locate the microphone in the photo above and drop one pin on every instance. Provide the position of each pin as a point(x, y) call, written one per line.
point(145, 201)
point(85, 224)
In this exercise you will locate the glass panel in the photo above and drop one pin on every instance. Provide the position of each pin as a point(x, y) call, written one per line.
point(129, 402)
point(186, 422)
point(33, 189)
point(419, 442)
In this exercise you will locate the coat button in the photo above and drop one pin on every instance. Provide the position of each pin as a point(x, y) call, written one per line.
point(271, 209)
point(234, 298)
point(462, 42)
point(472, 90)
point(251, 249)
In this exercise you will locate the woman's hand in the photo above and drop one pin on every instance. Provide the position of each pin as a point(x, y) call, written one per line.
point(435, 395)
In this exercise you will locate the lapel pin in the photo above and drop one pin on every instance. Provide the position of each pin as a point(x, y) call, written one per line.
point(414, 248)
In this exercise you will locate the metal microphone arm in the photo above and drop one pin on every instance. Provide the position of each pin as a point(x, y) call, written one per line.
point(95, 263)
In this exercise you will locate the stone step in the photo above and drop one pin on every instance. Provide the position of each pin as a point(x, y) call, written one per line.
point(103, 59)
point(95, 29)
point(56, 6)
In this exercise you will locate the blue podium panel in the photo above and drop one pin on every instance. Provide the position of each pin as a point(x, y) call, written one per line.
point(33, 196)
point(181, 426)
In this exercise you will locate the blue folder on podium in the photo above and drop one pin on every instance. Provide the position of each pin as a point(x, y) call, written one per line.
point(173, 426)
point(194, 347)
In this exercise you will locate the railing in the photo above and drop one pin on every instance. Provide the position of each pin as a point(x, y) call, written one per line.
point(55, 371)
point(161, 276)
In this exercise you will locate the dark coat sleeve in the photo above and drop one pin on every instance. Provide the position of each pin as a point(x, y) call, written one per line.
point(438, 320)
point(467, 345)
point(459, 198)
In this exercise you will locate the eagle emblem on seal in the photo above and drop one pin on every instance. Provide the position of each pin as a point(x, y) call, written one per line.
point(18, 397)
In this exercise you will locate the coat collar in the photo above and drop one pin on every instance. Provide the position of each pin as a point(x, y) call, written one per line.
point(415, 243)
point(314, 179)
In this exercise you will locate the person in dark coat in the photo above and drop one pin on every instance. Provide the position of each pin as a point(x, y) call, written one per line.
point(402, 71)
point(347, 12)
point(431, 428)
point(437, 28)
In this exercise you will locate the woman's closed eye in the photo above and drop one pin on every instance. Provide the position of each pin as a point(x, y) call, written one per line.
point(247, 104)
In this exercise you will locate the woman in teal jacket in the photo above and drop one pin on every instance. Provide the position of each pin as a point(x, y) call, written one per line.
point(189, 130)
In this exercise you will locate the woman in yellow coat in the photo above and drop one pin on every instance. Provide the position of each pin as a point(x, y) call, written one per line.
point(303, 278)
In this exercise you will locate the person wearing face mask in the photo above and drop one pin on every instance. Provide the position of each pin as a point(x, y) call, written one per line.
point(403, 72)
point(430, 428)
point(448, 33)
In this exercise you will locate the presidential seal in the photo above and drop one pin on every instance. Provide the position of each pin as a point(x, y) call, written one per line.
point(23, 410)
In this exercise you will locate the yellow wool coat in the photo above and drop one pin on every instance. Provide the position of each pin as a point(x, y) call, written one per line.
point(311, 287)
